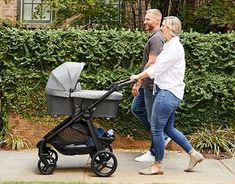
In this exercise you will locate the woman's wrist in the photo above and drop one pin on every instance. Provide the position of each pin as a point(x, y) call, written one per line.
point(142, 75)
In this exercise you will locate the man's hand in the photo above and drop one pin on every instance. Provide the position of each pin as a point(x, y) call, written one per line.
point(135, 89)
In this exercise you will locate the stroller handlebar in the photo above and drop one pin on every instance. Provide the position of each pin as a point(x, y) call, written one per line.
point(126, 83)
point(121, 83)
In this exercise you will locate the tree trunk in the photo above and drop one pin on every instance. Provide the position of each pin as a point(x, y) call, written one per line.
point(162, 5)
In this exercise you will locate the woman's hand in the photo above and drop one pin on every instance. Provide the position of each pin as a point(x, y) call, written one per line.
point(140, 76)
point(134, 77)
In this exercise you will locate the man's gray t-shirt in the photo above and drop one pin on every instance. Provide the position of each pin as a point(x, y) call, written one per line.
point(153, 46)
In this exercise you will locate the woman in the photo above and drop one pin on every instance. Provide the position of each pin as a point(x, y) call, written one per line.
point(168, 73)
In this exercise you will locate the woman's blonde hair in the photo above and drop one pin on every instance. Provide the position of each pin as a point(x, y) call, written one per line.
point(174, 24)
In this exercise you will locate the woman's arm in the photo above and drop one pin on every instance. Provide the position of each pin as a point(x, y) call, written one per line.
point(141, 76)
point(165, 60)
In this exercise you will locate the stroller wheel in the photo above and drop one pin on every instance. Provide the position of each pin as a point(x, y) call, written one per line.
point(104, 163)
point(53, 154)
point(108, 148)
point(47, 168)
point(104, 147)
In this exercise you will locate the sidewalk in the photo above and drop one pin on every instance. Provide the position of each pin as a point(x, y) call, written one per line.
point(22, 166)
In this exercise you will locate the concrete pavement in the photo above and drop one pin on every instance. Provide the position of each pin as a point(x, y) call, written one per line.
point(22, 166)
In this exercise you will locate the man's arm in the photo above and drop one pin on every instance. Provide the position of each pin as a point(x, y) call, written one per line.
point(152, 60)
point(156, 45)
point(137, 85)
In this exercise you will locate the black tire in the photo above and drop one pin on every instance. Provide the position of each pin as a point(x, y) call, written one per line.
point(104, 147)
point(104, 163)
point(49, 168)
point(53, 154)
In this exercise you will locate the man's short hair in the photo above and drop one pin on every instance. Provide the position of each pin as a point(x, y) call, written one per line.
point(155, 12)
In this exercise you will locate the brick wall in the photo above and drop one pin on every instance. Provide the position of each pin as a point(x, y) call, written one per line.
point(26, 130)
point(8, 10)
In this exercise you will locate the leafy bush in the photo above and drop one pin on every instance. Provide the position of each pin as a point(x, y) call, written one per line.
point(216, 140)
point(15, 142)
point(30, 55)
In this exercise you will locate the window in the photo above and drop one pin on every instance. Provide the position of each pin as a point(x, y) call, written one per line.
point(113, 3)
point(31, 12)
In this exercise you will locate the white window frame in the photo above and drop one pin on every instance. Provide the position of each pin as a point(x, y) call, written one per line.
point(32, 20)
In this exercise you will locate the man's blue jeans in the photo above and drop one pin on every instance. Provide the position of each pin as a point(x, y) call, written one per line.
point(142, 110)
point(162, 120)
point(142, 107)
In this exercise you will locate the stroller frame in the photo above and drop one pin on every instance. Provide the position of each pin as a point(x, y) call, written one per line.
point(103, 161)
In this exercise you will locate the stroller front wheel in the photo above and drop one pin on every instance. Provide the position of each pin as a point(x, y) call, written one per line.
point(108, 148)
point(104, 163)
point(53, 154)
point(47, 168)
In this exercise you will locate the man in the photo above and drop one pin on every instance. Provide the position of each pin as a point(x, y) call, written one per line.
point(143, 91)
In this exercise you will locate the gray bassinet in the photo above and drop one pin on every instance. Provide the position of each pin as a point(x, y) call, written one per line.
point(64, 93)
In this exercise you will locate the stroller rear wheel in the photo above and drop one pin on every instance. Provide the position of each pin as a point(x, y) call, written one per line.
point(104, 163)
point(47, 168)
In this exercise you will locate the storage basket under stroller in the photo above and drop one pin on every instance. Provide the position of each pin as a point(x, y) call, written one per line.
point(77, 134)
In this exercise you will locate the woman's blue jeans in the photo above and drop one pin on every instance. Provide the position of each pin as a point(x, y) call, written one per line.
point(162, 120)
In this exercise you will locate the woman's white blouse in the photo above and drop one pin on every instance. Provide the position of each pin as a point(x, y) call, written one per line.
point(169, 68)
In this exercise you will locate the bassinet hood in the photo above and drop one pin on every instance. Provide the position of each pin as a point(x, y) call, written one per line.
point(64, 78)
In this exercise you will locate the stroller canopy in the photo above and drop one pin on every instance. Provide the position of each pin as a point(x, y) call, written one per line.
point(64, 78)
point(65, 96)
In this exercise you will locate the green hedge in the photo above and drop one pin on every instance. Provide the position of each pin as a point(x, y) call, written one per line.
point(30, 55)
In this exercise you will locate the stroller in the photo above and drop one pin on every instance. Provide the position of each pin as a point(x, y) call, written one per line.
point(76, 135)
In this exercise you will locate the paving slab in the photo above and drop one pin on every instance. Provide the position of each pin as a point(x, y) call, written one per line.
point(230, 164)
point(22, 166)
point(208, 172)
